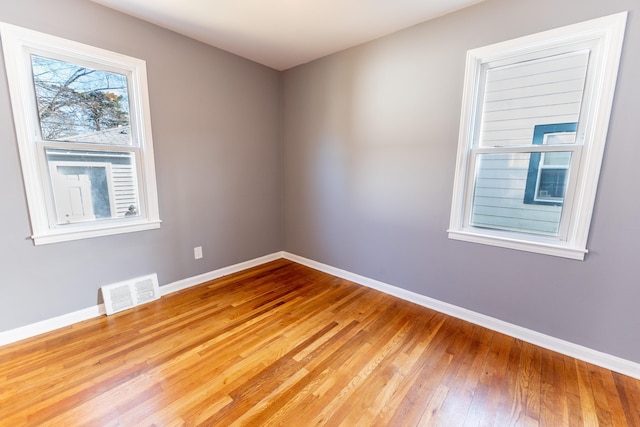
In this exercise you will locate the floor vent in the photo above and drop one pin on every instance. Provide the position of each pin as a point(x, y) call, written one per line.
point(130, 293)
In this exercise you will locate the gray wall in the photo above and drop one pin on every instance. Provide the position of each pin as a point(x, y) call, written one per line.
point(215, 120)
point(369, 146)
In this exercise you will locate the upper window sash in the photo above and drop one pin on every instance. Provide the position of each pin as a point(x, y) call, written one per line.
point(80, 102)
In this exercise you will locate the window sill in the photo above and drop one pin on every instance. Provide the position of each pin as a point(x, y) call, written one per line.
point(58, 235)
point(544, 248)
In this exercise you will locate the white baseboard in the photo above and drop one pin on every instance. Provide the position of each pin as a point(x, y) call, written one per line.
point(613, 363)
point(225, 271)
point(595, 357)
point(28, 331)
point(48, 325)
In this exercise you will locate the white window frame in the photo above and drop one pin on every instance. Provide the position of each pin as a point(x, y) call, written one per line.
point(19, 44)
point(604, 36)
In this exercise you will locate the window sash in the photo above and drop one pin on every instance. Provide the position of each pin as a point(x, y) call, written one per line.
point(562, 235)
point(507, 113)
point(86, 56)
point(47, 180)
point(81, 89)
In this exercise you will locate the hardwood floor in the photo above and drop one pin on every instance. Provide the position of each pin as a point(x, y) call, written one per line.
point(282, 344)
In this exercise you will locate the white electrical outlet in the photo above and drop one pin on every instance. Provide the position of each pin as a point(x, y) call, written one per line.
point(197, 252)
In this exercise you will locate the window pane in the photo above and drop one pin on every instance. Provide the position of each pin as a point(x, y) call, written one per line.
point(552, 184)
point(78, 103)
point(559, 138)
point(557, 158)
point(520, 96)
point(92, 185)
point(499, 196)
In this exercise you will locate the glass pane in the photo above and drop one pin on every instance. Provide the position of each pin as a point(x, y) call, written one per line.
point(521, 96)
point(560, 138)
point(92, 185)
point(78, 103)
point(500, 195)
point(557, 159)
point(552, 184)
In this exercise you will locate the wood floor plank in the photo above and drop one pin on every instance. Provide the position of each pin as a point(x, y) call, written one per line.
point(493, 384)
point(627, 398)
point(345, 402)
point(463, 386)
point(553, 391)
point(587, 399)
point(283, 344)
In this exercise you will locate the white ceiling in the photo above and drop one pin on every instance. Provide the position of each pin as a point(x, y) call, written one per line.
point(284, 33)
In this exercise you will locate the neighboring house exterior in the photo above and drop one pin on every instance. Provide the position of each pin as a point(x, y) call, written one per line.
point(94, 184)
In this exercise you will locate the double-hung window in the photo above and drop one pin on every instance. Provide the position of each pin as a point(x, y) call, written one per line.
point(83, 127)
point(534, 121)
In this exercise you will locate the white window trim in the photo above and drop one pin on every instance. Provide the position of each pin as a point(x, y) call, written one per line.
point(18, 43)
point(608, 33)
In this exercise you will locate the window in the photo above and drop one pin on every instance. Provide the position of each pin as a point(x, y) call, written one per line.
point(547, 174)
point(83, 127)
point(534, 120)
